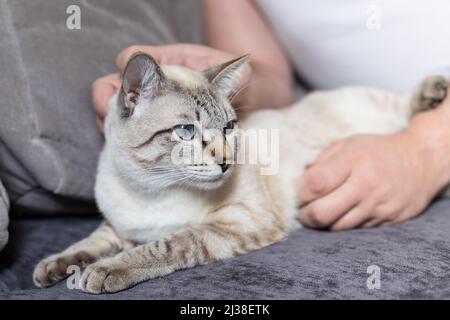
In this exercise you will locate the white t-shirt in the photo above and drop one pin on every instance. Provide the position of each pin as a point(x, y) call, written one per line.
point(390, 44)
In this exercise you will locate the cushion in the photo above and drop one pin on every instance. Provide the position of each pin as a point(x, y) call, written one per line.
point(49, 142)
point(413, 260)
point(4, 206)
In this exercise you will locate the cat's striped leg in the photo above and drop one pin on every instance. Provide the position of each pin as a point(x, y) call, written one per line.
point(102, 242)
point(243, 230)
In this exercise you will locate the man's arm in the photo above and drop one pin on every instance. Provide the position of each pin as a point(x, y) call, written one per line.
point(238, 27)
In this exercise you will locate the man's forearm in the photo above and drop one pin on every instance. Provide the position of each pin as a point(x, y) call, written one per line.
point(238, 27)
point(266, 89)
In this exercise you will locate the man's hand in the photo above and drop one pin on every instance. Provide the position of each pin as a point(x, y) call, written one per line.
point(369, 180)
point(102, 90)
point(192, 56)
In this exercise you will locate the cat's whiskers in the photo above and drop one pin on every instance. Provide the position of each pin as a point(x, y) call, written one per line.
point(169, 182)
point(244, 107)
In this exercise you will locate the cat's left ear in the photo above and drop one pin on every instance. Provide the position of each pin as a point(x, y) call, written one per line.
point(142, 80)
point(226, 76)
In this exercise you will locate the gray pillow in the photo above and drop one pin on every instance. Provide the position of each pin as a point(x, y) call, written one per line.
point(49, 142)
point(4, 206)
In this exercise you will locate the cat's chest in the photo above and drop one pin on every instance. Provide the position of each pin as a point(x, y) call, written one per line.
point(144, 218)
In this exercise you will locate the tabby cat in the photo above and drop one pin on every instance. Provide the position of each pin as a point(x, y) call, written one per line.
point(165, 211)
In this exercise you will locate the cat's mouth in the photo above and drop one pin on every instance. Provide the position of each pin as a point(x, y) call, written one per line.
point(209, 176)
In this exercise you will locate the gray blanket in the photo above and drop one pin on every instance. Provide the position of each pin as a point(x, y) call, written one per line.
point(414, 262)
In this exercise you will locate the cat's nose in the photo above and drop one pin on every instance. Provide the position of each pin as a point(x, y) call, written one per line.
point(224, 167)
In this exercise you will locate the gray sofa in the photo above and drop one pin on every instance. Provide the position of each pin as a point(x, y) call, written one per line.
point(49, 146)
point(4, 218)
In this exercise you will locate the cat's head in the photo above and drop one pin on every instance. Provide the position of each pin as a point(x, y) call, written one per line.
point(172, 126)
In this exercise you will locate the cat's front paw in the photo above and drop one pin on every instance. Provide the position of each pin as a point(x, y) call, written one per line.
point(54, 269)
point(106, 276)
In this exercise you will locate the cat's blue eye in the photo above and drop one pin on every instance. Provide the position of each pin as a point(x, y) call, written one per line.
point(185, 131)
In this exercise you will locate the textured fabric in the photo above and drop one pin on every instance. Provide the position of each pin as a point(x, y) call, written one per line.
point(414, 260)
point(336, 43)
point(4, 206)
point(49, 142)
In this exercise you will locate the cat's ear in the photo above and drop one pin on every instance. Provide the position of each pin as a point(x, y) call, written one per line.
point(226, 76)
point(142, 80)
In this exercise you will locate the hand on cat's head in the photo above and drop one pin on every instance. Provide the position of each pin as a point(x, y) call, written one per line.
point(192, 56)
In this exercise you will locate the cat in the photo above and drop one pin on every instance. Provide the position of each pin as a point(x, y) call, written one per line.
point(163, 215)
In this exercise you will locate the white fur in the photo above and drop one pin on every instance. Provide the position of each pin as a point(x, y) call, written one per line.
point(184, 76)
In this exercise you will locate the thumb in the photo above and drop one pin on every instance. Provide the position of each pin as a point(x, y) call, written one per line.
point(102, 90)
